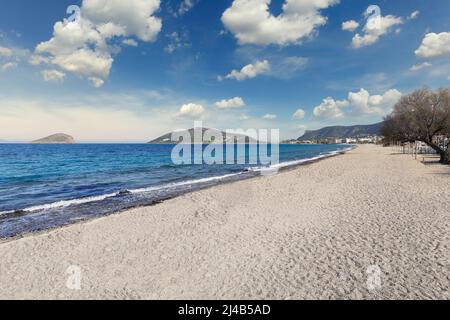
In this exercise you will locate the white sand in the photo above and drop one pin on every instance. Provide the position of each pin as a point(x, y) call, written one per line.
point(307, 233)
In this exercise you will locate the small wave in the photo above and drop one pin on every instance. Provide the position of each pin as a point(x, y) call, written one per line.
point(67, 203)
point(184, 183)
point(298, 162)
point(63, 203)
point(2, 213)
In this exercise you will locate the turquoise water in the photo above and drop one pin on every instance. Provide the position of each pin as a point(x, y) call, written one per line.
point(44, 186)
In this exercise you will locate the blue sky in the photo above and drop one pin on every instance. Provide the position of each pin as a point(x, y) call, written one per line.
point(161, 65)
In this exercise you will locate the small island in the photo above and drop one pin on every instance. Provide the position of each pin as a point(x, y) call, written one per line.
point(58, 138)
point(236, 138)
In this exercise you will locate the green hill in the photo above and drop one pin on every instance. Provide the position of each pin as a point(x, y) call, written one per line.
point(342, 132)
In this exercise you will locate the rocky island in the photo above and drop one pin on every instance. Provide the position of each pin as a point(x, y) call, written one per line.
point(58, 138)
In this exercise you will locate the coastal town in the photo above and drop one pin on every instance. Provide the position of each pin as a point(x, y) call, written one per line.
point(352, 140)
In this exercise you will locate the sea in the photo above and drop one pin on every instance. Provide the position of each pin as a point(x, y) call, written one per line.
point(49, 186)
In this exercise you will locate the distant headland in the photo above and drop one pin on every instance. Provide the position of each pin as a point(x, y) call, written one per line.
point(226, 137)
point(58, 138)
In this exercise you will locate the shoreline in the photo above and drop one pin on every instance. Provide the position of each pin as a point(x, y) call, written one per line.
point(307, 233)
point(219, 181)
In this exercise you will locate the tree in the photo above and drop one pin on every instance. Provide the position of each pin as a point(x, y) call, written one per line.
point(423, 115)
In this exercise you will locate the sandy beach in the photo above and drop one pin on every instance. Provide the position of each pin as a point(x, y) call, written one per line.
point(313, 232)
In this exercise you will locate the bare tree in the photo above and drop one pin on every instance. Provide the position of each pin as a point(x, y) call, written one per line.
point(423, 115)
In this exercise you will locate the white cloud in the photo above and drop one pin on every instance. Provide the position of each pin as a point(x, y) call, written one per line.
point(350, 25)
point(133, 17)
point(249, 71)
point(191, 110)
point(252, 23)
point(299, 114)
point(374, 29)
point(244, 117)
point(234, 103)
point(130, 42)
point(82, 47)
point(362, 103)
point(414, 15)
point(420, 66)
point(270, 116)
point(96, 82)
point(5, 52)
point(434, 45)
point(53, 75)
point(8, 66)
point(330, 109)
point(359, 103)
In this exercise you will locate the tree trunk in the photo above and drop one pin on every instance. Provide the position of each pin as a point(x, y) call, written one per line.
point(447, 154)
point(445, 159)
point(444, 155)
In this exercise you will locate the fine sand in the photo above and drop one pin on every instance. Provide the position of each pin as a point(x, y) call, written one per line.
point(319, 231)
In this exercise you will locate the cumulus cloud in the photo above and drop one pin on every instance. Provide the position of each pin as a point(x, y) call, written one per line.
point(132, 17)
point(420, 66)
point(330, 109)
point(5, 52)
point(299, 114)
point(252, 23)
point(375, 28)
point(434, 45)
point(362, 103)
point(53, 75)
point(83, 46)
point(359, 103)
point(191, 110)
point(233, 103)
point(350, 25)
point(249, 71)
point(270, 116)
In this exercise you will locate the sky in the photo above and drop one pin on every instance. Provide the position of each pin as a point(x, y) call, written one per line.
point(130, 71)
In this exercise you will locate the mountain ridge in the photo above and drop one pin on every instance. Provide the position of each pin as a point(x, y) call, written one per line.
point(343, 132)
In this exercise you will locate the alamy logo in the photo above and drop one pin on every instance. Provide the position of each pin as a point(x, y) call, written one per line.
point(74, 280)
point(373, 15)
point(75, 14)
point(258, 147)
point(373, 278)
